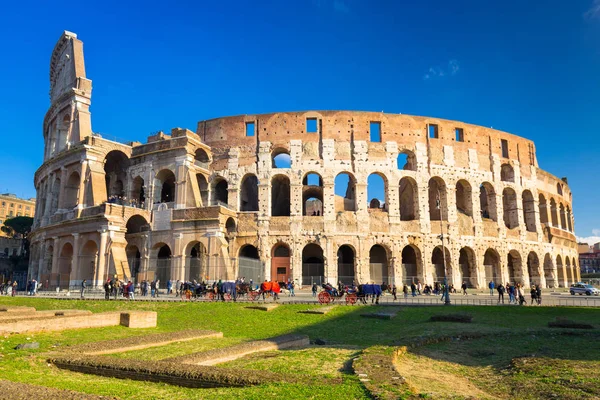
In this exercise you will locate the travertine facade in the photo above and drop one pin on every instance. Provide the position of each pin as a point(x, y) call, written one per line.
point(204, 204)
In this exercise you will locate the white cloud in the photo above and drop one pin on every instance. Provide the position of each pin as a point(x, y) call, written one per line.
point(439, 72)
point(591, 240)
point(593, 11)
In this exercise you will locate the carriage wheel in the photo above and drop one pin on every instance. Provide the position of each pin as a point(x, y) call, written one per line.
point(351, 298)
point(211, 295)
point(324, 298)
point(227, 296)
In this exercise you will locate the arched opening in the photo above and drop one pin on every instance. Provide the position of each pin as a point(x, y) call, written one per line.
point(230, 226)
point(468, 267)
point(464, 198)
point(115, 173)
point(55, 196)
point(561, 272)
point(411, 265)
point(164, 186)
point(136, 224)
point(220, 191)
point(313, 265)
point(563, 218)
point(439, 270)
point(549, 273)
point(487, 201)
point(409, 199)
point(312, 195)
point(87, 261)
point(569, 275)
point(491, 263)
point(378, 264)
point(515, 269)
point(438, 203)
point(203, 189)
point(345, 192)
point(569, 219)
point(163, 263)
point(407, 161)
point(202, 157)
point(509, 208)
point(280, 263)
point(280, 196)
point(134, 258)
point(197, 261)
point(346, 265)
point(377, 192)
point(249, 193)
point(533, 269)
point(281, 159)
point(543, 209)
point(138, 191)
point(554, 213)
point(529, 211)
point(507, 173)
point(65, 260)
point(559, 189)
point(72, 191)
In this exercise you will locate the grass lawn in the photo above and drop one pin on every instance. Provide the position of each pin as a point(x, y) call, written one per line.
point(519, 355)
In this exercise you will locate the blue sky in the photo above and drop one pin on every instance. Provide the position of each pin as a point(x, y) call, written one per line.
point(527, 67)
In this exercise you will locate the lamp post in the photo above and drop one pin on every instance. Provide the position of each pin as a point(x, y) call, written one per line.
point(446, 292)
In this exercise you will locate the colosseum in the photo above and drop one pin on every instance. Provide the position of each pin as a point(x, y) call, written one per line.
point(310, 196)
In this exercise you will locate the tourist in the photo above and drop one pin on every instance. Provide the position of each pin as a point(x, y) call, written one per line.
point(511, 293)
point(520, 294)
point(491, 287)
point(394, 292)
point(83, 286)
point(533, 294)
point(153, 289)
point(413, 289)
point(14, 288)
point(275, 288)
point(107, 289)
point(538, 292)
point(405, 291)
point(177, 288)
point(315, 288)
point(130, 290)
point(500, 290)
point(157, 286)
point(419, 287)
point(464, 288)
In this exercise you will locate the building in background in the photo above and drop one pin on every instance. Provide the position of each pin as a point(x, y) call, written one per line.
point(589, 260)
point(11, 206)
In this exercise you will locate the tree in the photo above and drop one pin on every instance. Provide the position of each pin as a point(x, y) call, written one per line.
point(19, 227)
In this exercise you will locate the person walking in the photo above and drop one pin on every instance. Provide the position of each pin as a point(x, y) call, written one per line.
point(405, 291)
point(314, 289)
point(520, 294)
point(538, 292)
point(491, 287)
point(394, 292)
point(464, 288)
point(413, 289)
point(533, 294)
point(157, 284)
point(14, 289)
point(83, 286)
point(500, 290)
point(107, 290)
point(276, 289)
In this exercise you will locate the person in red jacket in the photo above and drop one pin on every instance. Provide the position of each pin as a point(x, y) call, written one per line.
point(275, 288)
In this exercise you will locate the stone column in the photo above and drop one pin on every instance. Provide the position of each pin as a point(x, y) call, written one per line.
point(328, 201)
point(82, 182)
point(75, 263)
point(101, 270)
point(63, 184)
point(180, 186)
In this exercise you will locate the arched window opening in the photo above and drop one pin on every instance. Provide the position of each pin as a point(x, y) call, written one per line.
point(134, 258)
point(249, 193)
point(230, 226)
point(345, 192)
point(409, 199)
point(378, 263)
point(554, 213)
point(280, 263)
point(491, 264)
point(377, 192)
point(569, 275)
point(438, 203)
point(312, 179)
point(138, 191)
point(407, 161)
point(87, 261)
point(549, 271)
point(312, 195)
point(164, 185)
point(510, 208)
point(543, 209)
point(441, 270)
point(136, 224)
point(467, 266)
point(345, 265)
point(203, 188)
point(563, 218)
point(249, 251)
point(280, 196)
point(529, 211)
point(55, 196)
point(198, 263)
point(163, 264)
point(65, 260)
point(561, 272)
point(313, 265)
point(202, 157)
point(559, 189)
point(281, 159)
point(464, 198)
point(116, 164)
point(220, 192)
point(487, 202)
point(515, 268)
point(533, 269)
point(72, 191)
point(410, 262)
point(569, 219)
point(507, 173)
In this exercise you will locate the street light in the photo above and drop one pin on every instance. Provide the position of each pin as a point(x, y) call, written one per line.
point(446, 292)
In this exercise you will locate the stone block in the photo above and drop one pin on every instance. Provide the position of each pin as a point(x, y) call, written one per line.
point(139, 319)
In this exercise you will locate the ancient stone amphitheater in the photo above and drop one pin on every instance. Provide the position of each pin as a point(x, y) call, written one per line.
point(309, 196)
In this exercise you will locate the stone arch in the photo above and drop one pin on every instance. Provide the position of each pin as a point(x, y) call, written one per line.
point(563, 219)
point(280, 196)
point(510, 208)
point(464, 198)
point(164, 186)
point(561, 272)
point(554, 213)
point(407, 160)
point(487, 201)
point(87, 261)
point(280, 158)
point(201, 156)
point(569, 272)
point(280, 262)
point(230, 226)
point(197, 261)
point(507, 173)
point(345, 192)
point(412, 267)
point(138, 190)
point(220, 190)
point(312, 194)
point(377, 191)
point(249, 251)
point(529, 211)
point(162, 271)
point(313, 264)
point(533, 269)
point(549, 271)
point(65, 262)
point(55, 195)
point(116, 164)
point(379, 264)
point(409, 199)
point(467, 262)
point(438, 201)
point(249, 193)
point(515, 267)
point(439, 270)
point(543, 206)
point(492, 266)
point(203, 188)
point(559, 189)
point(136, 224)
point(346, 264)
point(134, 259)
point(72, 191)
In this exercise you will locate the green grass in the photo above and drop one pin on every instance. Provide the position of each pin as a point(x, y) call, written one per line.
point(522, 330)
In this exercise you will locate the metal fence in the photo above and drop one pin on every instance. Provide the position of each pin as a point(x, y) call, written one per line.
point(313, 273)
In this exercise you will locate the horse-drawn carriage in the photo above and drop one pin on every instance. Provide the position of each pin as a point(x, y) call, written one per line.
point(329, 294)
